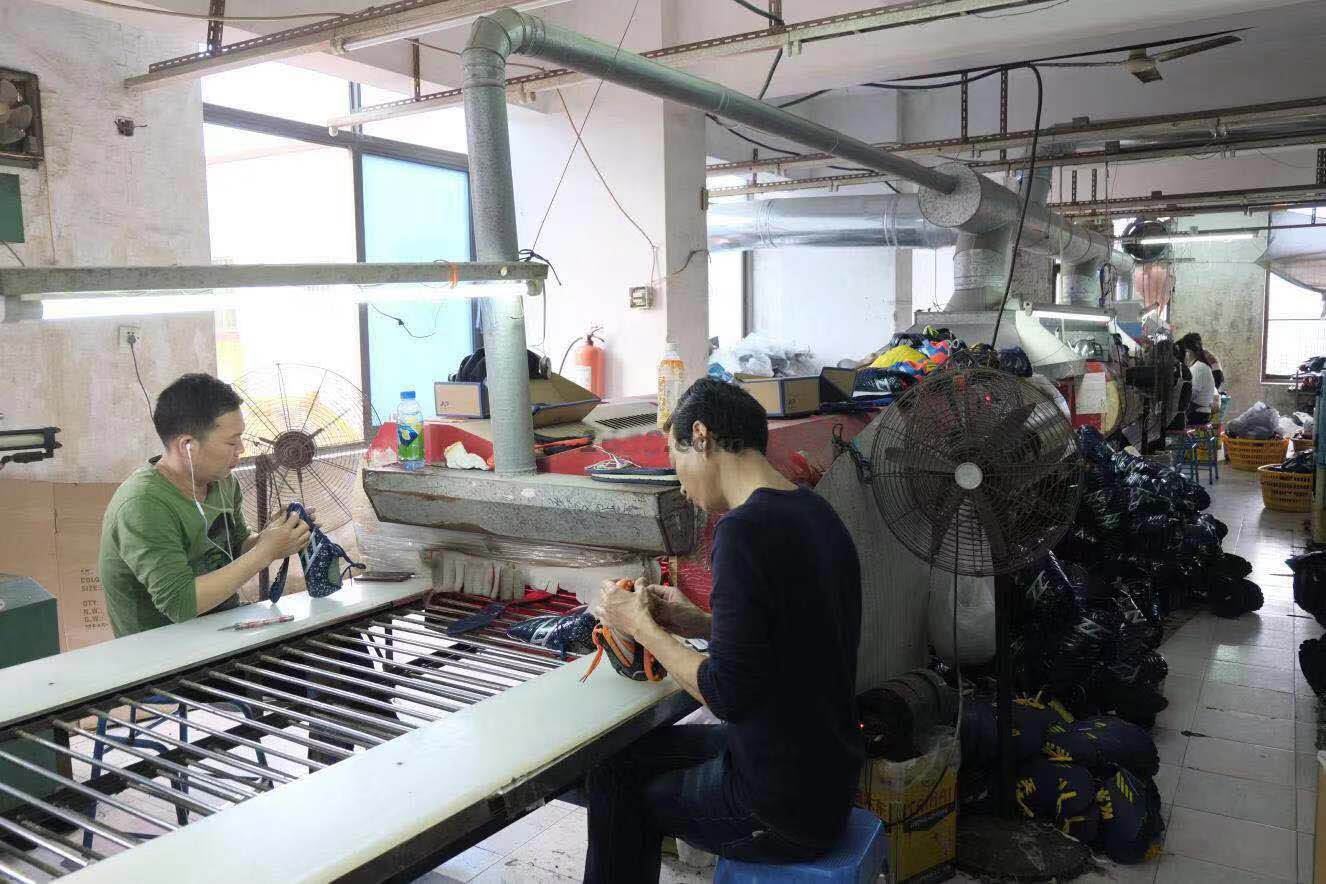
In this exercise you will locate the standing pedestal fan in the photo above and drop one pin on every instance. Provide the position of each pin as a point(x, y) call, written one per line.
point(978, 473)
point(303, 443)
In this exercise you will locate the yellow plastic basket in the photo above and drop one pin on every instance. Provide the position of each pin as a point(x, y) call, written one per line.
point(1285, 492)
point(1249, 454)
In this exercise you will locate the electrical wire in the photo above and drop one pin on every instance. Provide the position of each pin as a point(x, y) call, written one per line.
point(768, 78)
point(760, 12)
point(405, 328)
point(947, 83)
point(15, 254)
point(807, 97)
point(199, 16)
point(531, 255)
point(1024, 12)
point(578, 143)
point(1026, 198)
point(1272, 159)
point(134, 356)
point(791, 153)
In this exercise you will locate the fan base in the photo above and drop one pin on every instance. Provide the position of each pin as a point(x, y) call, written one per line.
point(995, 848)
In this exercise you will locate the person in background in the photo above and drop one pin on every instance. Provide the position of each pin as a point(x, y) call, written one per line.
point(776, 780)
point(174, 543)
point(1193, 342)
point(1203, 387)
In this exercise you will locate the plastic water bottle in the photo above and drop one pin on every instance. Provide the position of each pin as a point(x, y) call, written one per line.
point(409, 432)
point(671, 377)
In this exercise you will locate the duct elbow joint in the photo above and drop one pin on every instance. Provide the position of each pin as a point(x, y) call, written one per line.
point(505, 32)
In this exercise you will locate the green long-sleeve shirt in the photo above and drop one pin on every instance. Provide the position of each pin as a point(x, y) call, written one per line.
point(154, 544)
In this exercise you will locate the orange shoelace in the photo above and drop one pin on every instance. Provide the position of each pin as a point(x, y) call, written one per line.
point(603, 636)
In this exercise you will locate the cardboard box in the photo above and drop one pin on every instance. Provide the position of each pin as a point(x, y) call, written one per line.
point(51, 532)
point(923, 838)
point(460, 399)
point(554, 400)
point(784, 397)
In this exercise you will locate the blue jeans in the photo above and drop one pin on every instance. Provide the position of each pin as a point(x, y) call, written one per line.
point(675, 781)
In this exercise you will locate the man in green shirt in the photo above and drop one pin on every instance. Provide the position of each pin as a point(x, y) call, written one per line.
point(173, 541)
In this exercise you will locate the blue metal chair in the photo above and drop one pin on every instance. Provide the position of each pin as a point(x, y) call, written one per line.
point(860, 856)
point(132, 738)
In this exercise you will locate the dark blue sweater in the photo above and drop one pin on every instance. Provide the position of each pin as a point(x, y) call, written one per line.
point(781, 670)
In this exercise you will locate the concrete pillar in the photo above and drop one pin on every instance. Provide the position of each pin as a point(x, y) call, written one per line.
point(685, 284)
point(903, 307)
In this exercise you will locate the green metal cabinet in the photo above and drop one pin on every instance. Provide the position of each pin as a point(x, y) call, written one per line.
point(29, 630)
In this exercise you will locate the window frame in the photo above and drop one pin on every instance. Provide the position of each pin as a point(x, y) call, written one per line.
point(1267, 377)
point(359, 145)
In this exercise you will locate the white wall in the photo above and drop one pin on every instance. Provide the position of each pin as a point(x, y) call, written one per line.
point(838, 302)
point(649, 158)
point(101, 198)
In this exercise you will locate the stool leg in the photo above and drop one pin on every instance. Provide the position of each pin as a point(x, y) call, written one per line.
point(182, 784)
point(98, 751)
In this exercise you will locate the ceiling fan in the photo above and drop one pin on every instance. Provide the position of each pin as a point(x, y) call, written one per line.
point(1146, 67)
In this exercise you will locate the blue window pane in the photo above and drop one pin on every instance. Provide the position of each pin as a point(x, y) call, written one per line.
point(415, 212)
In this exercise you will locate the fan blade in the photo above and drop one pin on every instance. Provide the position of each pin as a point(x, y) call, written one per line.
point(10, 135)
point(943, 520)
point(9, 94)
point(921, 461)
point(19, 117)
point(990, 521)
point(1003, 433)
point(1194, 48)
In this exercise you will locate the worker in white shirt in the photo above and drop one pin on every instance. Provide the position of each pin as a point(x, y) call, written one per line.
point(1203, 387)
point(1192, 342)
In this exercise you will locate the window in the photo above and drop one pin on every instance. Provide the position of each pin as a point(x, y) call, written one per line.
point(1295, 329)
point(283, 190)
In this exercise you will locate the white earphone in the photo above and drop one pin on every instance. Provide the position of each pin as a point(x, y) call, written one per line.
point(225, 514)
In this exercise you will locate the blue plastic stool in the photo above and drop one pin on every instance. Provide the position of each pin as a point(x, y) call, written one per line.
point(860, 857)
point(133, 739)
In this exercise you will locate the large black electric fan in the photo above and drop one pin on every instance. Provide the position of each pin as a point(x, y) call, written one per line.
point(303, 443)
point(978, 472)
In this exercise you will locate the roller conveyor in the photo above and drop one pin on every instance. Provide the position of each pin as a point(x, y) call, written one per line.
point(357, 741)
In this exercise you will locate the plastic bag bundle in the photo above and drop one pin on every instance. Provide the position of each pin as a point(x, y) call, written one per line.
point(1233, 596)
point(1259, 422)
point(1103, 741)
point(1200, 541)
point(1064, 793)
point(980, 732)
point(1094, 447)
point(1083, 543)
point(1312, 661)
point(1051, 598)
point(1155, 536)
point(1142, 502)
point(1220, 528)
point(1130, 816)
point(1107, 506)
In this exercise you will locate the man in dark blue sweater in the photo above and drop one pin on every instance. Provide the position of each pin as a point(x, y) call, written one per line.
point(775, 782)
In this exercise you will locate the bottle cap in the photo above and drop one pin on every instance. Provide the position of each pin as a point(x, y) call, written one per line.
point(407, 394)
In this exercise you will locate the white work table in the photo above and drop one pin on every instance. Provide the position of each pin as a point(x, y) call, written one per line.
point(50, 683)
point(332, 822)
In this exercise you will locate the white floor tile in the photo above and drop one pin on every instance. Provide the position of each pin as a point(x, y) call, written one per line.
point(1182, 690)
point(548, 815)
point(1305, 707)
point(1254, 701)
point(1275, 658)
point(512, 837)
point(1167, 780)
point(1278, 733)
point(1305, 851)
point(1170, 744)
point(1190, 665)
point(466, 866)
point(1241, 760)
point(561, 849)
point(1115, 873)
point(1177, 716)
point(1249, 676)
point(1240, 844)
point(1307, 810)
point(1177, 869)
point(1189, 645)
point(514, 871)
point(1305, 736)
point(674, 872)
point(1269, 632)
point(1242, 799)
point(1305, 767)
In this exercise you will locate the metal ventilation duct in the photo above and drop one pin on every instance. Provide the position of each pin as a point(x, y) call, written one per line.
point(827, 221)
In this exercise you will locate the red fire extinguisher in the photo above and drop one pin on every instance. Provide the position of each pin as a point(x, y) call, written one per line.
point(587, 364)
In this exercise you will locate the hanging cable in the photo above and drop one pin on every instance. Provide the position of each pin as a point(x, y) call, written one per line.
point(947, 83)
point(760, 12)
point(578, 142)
point(201, 16)
point(405, 328)
point(778, 56)
point(794, 102)
point(1026, 197)
point(133, 339)
point(1016, 14)
point(768, 78)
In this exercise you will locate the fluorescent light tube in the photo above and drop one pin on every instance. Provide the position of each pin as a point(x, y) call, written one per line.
point(1192, 237)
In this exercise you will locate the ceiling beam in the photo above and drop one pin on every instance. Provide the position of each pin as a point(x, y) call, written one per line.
point(1216, 120)
point(1248, 200)
point(394, 21)
point(789, 38)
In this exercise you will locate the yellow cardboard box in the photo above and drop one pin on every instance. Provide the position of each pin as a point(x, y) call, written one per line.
point(921, 816)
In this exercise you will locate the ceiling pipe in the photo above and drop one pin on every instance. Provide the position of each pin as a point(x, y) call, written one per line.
point(951, 195)
point(887, 220)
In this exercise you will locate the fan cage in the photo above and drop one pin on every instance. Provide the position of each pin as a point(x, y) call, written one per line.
point(1030, 471)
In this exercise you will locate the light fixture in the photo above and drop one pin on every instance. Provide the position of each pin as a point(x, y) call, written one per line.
point(28, 446)
point(82, 292)
point(1192, 237)
point(429, 27)
point(1098, 318)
